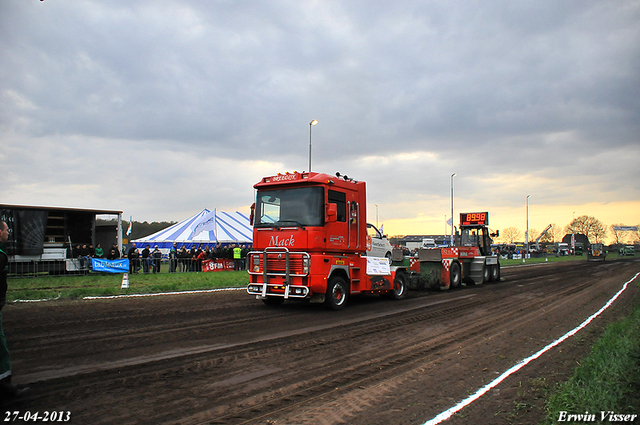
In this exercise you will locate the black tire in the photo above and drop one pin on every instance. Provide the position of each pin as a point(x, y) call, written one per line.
point(495, 273)
point(454, 275)
point(273, 301)
point(486, 273)
point(337, 293)
point(399, 287)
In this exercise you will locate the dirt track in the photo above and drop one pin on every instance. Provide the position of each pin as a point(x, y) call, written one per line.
point(227, 358)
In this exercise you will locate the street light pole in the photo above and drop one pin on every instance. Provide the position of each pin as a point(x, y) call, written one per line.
point(311, 124)
point(452, 176)
point(526, 236)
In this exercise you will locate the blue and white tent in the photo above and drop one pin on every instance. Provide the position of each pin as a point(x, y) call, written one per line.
point(207, 228)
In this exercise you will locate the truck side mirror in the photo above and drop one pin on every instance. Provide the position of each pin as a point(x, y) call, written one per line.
point(332, 212)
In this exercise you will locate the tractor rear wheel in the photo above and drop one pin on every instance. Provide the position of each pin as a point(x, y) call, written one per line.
point(454, 275)
point(495, 273)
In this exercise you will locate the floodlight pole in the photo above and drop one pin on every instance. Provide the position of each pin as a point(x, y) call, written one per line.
point(452, 176)
point(311, 124)
point(526, 235)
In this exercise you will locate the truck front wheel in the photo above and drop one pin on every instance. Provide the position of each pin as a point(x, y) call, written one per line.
point(337, 293)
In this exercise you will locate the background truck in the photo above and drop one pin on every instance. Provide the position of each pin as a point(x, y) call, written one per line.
point(597, 252)
point(472, 261)
point(627, 250)
point(428, 243)
point(311, 242)
point(563, 249)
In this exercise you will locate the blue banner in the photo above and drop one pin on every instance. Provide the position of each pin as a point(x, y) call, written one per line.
point(110, 266)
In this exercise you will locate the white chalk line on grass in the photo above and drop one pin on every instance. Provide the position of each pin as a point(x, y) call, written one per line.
point(104, 297)
point(482, 391)
point(195, 291)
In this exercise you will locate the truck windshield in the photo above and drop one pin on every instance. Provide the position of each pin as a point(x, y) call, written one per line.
point(290, 207)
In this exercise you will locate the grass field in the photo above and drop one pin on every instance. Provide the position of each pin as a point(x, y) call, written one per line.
point(607, 380)
point(98, 284)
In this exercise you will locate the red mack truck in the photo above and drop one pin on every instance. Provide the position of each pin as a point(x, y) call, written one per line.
point(311, 242)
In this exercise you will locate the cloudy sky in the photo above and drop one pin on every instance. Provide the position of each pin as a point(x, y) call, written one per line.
point(162, 108)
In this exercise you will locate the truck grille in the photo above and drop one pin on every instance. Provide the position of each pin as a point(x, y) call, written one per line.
point(279, 265)
point(276, 262)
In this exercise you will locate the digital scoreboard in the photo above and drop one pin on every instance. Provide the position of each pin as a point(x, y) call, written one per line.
point(474, 219)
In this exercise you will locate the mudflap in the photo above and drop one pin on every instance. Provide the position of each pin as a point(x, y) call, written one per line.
point(381, 283)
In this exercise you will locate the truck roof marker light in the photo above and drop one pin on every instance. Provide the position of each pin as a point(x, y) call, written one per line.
point(330, 181)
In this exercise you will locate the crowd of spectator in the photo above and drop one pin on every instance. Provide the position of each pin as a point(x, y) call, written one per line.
point(179, 259)
point(185, 260)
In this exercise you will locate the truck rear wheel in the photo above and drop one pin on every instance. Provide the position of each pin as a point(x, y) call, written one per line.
point(337, 293)
point(454, 275)
point(399, 287)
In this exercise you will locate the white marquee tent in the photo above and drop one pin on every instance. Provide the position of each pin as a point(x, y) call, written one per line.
point(207, 228)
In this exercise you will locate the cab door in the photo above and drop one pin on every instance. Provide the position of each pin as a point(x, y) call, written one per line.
point(337, 232)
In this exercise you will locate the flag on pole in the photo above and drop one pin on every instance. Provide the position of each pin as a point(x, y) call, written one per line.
point(450, 221)
point(382, 229)
point(206, 222)
point(130, 226)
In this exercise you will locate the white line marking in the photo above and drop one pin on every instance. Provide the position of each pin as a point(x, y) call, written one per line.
point(482, 391)
point(162, 293)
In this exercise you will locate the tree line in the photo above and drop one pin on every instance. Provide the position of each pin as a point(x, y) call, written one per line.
point(595, 230)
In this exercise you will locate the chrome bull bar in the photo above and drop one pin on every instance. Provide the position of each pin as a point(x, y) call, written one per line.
point(290, 291)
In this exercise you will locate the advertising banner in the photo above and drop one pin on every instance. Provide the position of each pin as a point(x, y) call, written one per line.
point(625, 228)
point(110, 266)
point(217, 265)
point(378, 266)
